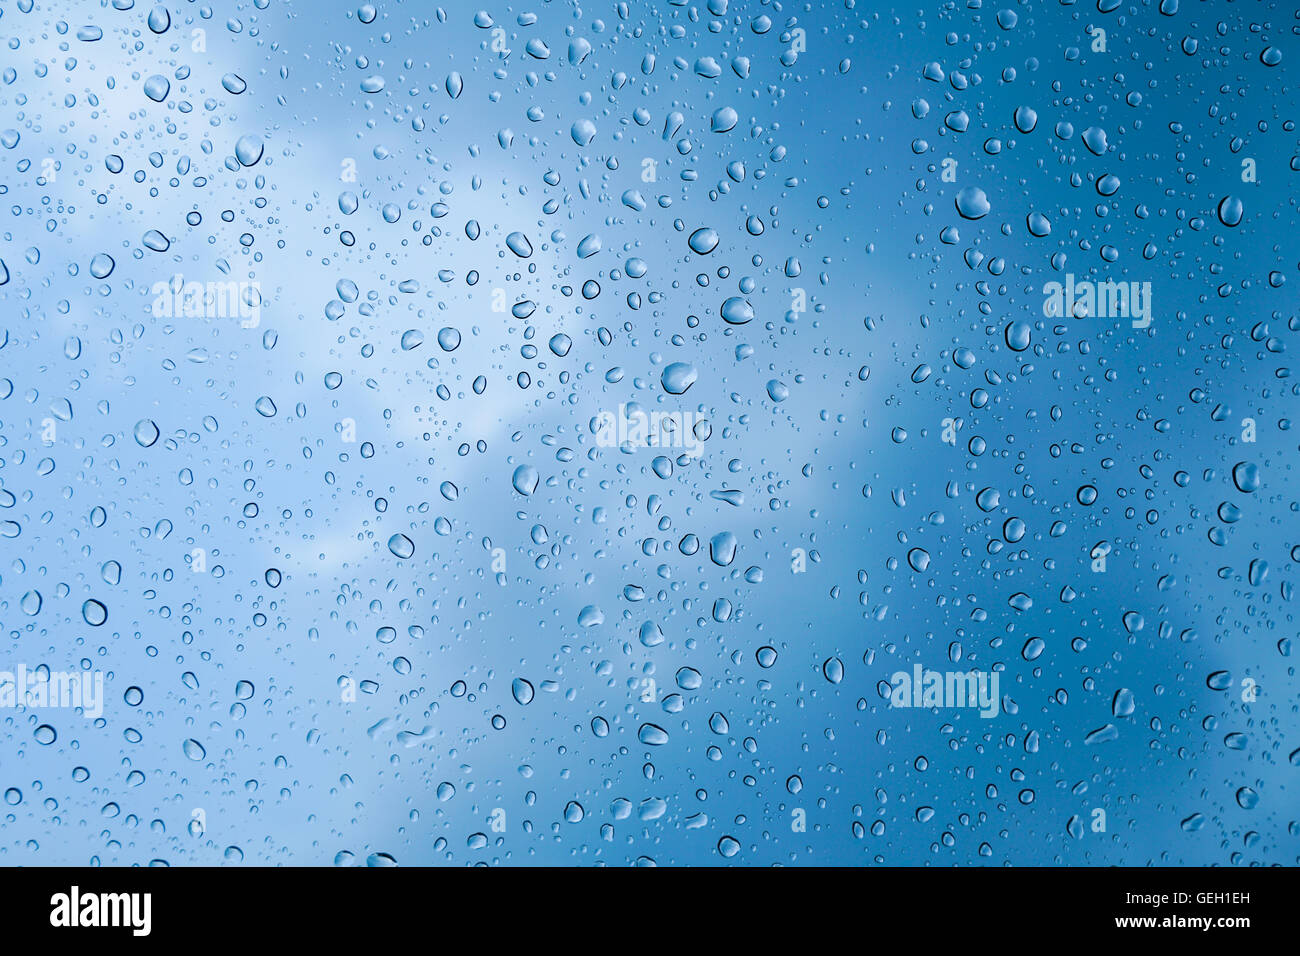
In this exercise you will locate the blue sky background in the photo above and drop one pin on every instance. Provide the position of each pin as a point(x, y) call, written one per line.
point(912, 312)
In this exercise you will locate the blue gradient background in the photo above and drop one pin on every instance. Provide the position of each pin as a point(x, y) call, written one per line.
point(850, 467)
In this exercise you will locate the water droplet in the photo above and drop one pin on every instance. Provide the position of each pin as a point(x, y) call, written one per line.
point(522, 690)
point(248, 150)
point(678, 377)
point(652, 735)
point(1230, 211)
point(703, 240)
point(525, 479)
point(101, 267)
point(157, 87)
point(146, 432)
point(518, 243)
point(737, 311)
point(94, 613)
point(401, 546)
point(972, 203)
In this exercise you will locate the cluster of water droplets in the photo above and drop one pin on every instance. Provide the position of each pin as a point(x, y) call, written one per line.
point(464, 435)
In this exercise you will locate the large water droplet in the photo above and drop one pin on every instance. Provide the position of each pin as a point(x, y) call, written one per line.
point(525, 479)
point(401, 546)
